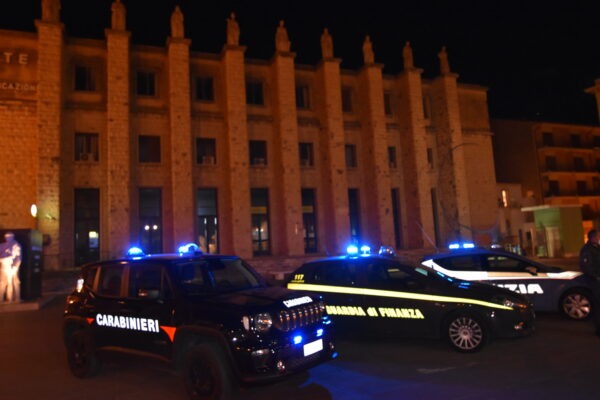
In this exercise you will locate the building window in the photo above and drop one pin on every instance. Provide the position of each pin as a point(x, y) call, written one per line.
point(309, 220)
point(430, 157)
point(392, 157)
point(547, 139)
point(145, 83)
point(354, 215)
point(550, 163)
point(260, 221)
point(575, 140)
point(582, 188)
point(553, 189)
point(579, 164)
point(302, 98)
point(258, 152)
point(387, 103)
point(206, 204)
point(351, 161)
point(86, 147)
point(306, 154)
point(397, 217)
point(206, 151)
point(205, 89)
point(87, 225)
point(346, 99)
point(596, 141)
point(254, 93)
point(149, 149)
point(150, 220)
point(84, 79)
point(426, 107)
point(504, 194)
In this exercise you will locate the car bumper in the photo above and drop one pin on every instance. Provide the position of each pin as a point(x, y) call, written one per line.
point(512, 324)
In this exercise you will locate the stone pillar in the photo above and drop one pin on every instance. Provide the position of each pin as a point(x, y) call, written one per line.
point(376, 193)
point(595, 90)
point(49, 121)
point(334, 184)
point(287, 202)
point(455, 216)
point(117, 216)
point(180, 133)
point(235, 230)
point(417, 187)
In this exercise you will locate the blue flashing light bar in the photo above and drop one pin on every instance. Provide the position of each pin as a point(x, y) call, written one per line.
point(297, 339)
point(135, 252)
point(319, 332)
point(456, 246)
point(364, 249)
point(188, 248)
point(352, 250)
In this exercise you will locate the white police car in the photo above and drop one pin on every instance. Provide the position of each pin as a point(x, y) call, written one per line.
point(549, 288)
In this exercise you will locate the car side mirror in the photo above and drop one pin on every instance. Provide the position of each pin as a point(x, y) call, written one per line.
point(150, 294)
point(531, 269)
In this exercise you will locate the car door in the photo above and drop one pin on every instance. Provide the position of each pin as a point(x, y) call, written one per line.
point(519, 275)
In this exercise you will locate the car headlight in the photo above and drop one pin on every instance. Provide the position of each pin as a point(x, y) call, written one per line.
point(260, 322)
point(513, 303)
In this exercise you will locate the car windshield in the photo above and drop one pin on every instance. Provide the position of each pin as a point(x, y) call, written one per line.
point(213, 276)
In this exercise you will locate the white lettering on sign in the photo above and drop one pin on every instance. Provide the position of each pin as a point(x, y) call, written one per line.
point(132, 323)
point(18, 86)
point(296, 302)
point(10, 57)
point(530, 288)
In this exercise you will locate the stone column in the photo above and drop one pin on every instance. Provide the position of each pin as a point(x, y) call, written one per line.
point(417, 187)
point(455, 216)
point(287, 234)
point(117, 218)
point(235, 230)
point(334, 184)
point(376, 192)
point(180, 133)
point(49, 116)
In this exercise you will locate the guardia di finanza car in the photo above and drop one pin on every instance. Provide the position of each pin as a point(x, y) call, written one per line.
point(373, 293)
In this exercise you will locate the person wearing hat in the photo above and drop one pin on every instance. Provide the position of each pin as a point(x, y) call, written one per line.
point(589, 262)
point(10, 259)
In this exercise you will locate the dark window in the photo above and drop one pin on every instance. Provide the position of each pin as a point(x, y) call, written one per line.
point(575, 140)
point(582, 188)
point(87, 225)
point(354, 215)
point(148, 281)
point(149, 148)
point(387, 103)
point(111, 278)
point(596, 141)
point(86, 147)
point(302, 98)
point(346, 99)
point(506, 264)
point(254, 93)
point(306, 154)
point(335, 273)
point(205, 88)
point(579, 164)
point(547, 139)
point(392, 157)
point(397, 217)
point(145, 83)
point(351, 161)
point(550, 163)
point(430, 157)
point(553, 188)
point(258, 152)
point(309, 219)
point(84, 79)
point(260, 221)
point(426, 107)
point(206, 151)
point(150, 220)
point(461, 263)
point(206, 204)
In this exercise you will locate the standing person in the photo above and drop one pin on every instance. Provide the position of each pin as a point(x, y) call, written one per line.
point(589, 262)
point(10, 257)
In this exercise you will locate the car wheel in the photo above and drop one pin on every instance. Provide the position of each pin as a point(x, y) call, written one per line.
point(466, 333)
point(576, 304)
point(206, 374)
point(81, 355)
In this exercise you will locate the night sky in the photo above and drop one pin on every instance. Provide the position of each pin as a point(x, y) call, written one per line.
point(536, 57)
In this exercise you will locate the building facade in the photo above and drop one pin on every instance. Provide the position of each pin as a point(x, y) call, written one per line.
point(119, 144)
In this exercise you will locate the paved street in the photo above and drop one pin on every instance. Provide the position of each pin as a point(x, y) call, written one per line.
point(559, 361)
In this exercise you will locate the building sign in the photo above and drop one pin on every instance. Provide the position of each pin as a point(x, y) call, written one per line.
point(18, 74)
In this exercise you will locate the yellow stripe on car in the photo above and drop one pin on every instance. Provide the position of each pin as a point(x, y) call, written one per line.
point(393, 294)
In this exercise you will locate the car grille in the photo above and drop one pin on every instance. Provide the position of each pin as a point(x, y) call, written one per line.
point(298, 317)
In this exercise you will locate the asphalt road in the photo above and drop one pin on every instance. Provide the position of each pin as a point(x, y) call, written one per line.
point(560, 360)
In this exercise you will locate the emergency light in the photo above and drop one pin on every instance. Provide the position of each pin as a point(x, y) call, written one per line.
point(135, 252)
point(188, 248)
point(456, 246)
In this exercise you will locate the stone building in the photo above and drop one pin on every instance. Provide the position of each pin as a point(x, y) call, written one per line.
point(120, 144)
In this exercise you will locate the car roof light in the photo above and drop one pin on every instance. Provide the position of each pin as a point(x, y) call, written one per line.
point(364, 249)
point(387, 251)
point(352, 250)
point(135, 251)
point(189, 248)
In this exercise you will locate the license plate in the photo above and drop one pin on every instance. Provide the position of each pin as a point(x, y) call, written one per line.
point(313, 347)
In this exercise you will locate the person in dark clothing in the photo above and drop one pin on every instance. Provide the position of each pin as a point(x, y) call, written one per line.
point(589, 262)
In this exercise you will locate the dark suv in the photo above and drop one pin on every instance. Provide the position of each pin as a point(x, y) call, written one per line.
point(212, 316)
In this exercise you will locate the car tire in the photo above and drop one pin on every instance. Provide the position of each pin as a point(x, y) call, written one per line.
point(576, 304)
point(206, 374)
point(81, 355)
point(466, 333)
